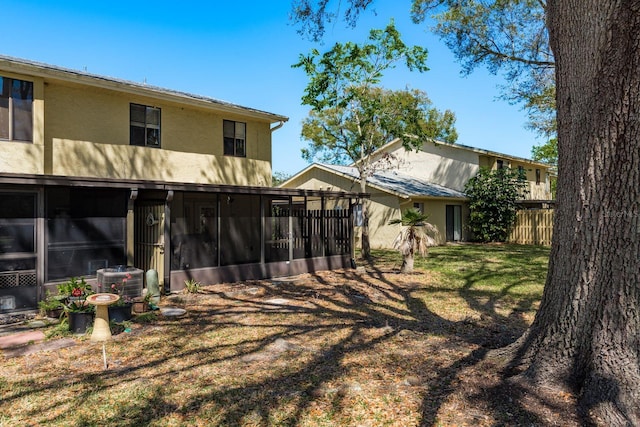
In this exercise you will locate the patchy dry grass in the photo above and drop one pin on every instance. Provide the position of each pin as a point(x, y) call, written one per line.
point(370, 348)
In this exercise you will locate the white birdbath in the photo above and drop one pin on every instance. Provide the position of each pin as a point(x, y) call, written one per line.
point(101, 330)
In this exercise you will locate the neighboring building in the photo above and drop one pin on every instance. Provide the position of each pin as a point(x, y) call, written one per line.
point(431, 179)
point(97, 172)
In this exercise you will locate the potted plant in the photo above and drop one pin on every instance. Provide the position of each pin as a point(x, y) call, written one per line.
point(73, 295)
point(51, 306)
point(141, 304)
point(120, 311)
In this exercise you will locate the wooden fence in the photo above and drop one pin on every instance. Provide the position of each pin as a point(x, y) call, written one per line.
point(533, 227)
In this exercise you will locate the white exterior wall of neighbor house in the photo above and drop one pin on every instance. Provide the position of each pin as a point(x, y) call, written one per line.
point(437, 163)
point(452, 166)
point(437, 211)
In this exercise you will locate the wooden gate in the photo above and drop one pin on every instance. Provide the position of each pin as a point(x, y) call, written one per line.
point(149, 238)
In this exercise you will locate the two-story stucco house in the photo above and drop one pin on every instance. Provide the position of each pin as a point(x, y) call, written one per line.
point(98, 172)
point(431, 180)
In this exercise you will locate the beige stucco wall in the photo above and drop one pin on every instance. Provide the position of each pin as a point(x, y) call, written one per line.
point(437, 163)
point(452, 167)
point(89, 159)
point(87, 134)
point(437, 211)
point(536, 191)
point(24, 157)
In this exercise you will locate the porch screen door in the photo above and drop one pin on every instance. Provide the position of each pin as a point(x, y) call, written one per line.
point(149, 238)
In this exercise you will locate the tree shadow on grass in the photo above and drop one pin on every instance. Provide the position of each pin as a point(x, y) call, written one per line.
point(311, 351)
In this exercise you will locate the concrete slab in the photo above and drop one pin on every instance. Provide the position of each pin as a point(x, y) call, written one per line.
point(16, 340)
point(172, 311)
point(35, 348)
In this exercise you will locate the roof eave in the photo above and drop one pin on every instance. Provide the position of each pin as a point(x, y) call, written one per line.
point(47, 71)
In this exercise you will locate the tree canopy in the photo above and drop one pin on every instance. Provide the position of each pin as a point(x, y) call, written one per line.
point(375, 116)
point(352, 115)
point(508, 37)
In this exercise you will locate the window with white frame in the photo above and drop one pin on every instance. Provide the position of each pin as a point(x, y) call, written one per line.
point(234, 134)
point(16, 109)
point(145, 125)
point(419, 206)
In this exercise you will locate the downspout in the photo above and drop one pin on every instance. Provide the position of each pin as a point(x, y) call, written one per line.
point(273, 129)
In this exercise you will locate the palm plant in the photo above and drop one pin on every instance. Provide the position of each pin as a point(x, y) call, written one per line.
point(415, 236)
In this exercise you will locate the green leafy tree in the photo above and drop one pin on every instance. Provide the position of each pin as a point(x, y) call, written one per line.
point(547, 152)
point(279, 177)
point(415, 237)
point(508, 37)
point(492, 203)
point(351, 115)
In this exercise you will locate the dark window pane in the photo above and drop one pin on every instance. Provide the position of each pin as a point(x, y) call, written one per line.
point(153, 137)
point(137, 135)
point(22, 120)
point(153, 116)
point(229, 129)
point(22, 90)
point(240, 130)
point(4, 108)
point(228, 146)
point(138, 113)
point(240, 152)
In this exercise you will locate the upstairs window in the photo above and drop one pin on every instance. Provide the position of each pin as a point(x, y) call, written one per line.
point(145, 125)
point(234, 138)
point(16, 109)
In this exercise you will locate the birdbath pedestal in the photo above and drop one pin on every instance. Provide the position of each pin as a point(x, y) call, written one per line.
point(101, 330)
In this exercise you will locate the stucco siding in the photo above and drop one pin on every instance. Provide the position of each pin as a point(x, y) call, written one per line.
point(382, 209)
point(437, 211)
point(87, 134)
point(20, 157)
point(437, 163)
point(89, 159)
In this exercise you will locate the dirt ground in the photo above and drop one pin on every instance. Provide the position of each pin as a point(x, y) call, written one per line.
point(365, 347)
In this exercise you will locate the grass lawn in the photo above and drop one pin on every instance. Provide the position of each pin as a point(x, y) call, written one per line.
point(365, 347)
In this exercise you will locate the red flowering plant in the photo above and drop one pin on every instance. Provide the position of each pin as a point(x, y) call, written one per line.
point(118, 288)
point(73, 295)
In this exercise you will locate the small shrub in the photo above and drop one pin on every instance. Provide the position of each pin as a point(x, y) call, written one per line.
point(192, 286)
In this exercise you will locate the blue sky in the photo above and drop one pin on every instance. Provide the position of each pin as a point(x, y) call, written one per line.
point(241, 52)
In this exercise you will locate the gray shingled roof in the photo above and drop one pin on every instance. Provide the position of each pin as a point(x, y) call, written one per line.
point(145, 87)
point(396, 182)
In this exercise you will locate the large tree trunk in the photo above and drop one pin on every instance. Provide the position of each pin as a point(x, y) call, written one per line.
point(586, 334)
